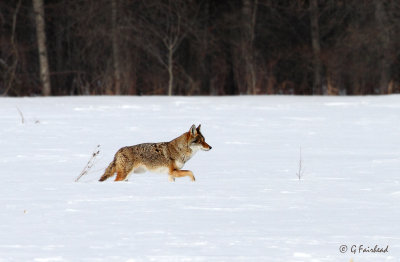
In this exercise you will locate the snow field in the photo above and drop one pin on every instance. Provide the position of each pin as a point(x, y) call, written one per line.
point(247, 203)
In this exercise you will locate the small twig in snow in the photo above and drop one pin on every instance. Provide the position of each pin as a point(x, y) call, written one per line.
point(300, 171)
point(22, 116)
point(89, 164)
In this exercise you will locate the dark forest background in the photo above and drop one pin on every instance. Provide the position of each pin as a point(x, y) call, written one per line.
point(199, 47)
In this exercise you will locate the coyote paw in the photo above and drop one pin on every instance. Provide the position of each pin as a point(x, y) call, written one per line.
point(171, 179)
point(192, 178)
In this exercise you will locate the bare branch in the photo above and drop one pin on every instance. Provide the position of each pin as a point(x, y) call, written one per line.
point(90, 163)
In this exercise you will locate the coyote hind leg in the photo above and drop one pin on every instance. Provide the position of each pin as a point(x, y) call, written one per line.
point(123, 173)
point(120, 176)
point(181, 173)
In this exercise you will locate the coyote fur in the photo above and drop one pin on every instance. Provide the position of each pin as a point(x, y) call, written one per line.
point(165, 157)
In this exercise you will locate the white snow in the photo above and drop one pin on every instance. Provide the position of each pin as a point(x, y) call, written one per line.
point(247, 203)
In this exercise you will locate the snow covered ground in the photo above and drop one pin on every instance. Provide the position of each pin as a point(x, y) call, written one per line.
point(247, 203)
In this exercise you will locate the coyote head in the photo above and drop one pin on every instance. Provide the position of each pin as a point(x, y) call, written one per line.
point(197, 140)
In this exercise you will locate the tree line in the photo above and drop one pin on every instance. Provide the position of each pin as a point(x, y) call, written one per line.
point(199, 47)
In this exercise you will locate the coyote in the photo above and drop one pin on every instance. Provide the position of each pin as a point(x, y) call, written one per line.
point(165, 157)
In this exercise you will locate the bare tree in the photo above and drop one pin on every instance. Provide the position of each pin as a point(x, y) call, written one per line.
point(115, 48)
point(384, 39)
point(249, 15)
point(11, 70)
point(41, 39)
point(159, 29)
point(316, 47)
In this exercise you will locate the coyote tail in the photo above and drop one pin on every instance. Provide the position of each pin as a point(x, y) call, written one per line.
point(110, 170)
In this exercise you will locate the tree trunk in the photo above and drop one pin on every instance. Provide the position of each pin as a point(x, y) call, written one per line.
point(249, 12)
point(211, 90)
point(317, 84)
point(252, 36)
point(384, 46)
point(170, 70)
point(115, 48)
point(41, 39)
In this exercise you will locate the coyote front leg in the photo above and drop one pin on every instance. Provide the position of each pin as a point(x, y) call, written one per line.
point(180, 173)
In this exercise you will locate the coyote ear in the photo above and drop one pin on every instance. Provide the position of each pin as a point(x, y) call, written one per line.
point(192, 130)
point(198, 128)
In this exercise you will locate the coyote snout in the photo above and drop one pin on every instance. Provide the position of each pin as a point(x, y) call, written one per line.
point(165, 157)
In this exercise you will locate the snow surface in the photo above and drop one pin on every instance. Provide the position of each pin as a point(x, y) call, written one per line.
point(247, 203)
